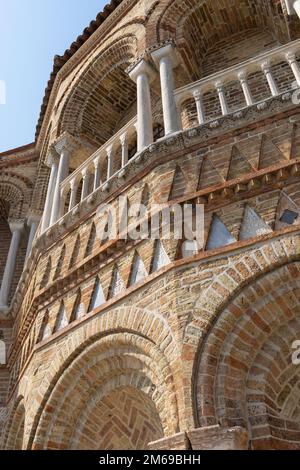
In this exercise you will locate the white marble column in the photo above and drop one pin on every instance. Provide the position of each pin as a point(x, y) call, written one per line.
point(266, 68)
point(143, 74)
point(242, 76)
point(296, 5)
point(32, 222)
point(293, 6)
point(64, 147)
point(97, 175)
point(293, 63)
point(124, 146)
point(52, 162)
point(85, 183)
point(166, 59)
point(16, 228)
point(222, 98)
point(198, 97)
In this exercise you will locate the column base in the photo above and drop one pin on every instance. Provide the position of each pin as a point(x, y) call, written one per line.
point(207, 438)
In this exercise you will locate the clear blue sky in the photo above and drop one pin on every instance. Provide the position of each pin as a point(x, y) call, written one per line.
point(31, 33)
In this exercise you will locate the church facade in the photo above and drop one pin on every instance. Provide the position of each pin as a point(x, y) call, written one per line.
point(158, 343)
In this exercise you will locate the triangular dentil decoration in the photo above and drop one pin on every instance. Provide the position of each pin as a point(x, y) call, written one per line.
point(98, 297)
point(117, 285)
point(160, 257)
point(219, 235)
point(253, 226)
point(75, 252)
point(62, 320)
point(78, 309)
point(138, 270)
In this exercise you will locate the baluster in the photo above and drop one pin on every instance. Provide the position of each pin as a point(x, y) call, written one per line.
point(266, 68)
point(73, 195)
point(293, 63)
point(97, 176)
point(124, 144)
point(198, 97)
point(242, 76)
point(110, 161)
point(85, 183)
point(223, 102)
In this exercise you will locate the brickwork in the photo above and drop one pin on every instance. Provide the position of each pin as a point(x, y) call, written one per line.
point(122, 344)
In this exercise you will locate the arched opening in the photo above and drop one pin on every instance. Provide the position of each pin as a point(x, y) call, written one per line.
point(15, 436)
point(111, 396)
point(5, 235)
point(102, 101)
point(245, 373)
point(126, 418)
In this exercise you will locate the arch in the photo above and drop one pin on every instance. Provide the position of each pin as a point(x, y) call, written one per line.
point(14, 432)
point(116, 367)
point(198, 25)
point(134, 325)
point(91, 91)
point(244, 375)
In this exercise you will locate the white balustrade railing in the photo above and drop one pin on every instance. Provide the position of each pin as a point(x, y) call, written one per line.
point(114, 154)
point(239, 73)
point(105, 157)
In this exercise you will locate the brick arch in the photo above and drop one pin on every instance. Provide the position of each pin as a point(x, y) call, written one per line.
point(15, 191)
point(87, 91)
point(14, 432)
point(197, 25)
point(244, 373)
point(116, 362)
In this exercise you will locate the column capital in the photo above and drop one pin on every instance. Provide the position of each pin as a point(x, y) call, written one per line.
point(16, 225)
point(66, 142)
point(110, 151)
point(123, 139)
point(219, 86)
point(291, 57)
point(163, 51)
point(73, 183)
point(52, 157)
point(198, 94)
point(33, 218)
point(142, 67)
point(265, 66)
point(242, 75)
point(96, 161)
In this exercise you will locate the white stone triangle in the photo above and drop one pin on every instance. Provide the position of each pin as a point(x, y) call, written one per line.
point(46, 331)
point(98, 297)
point(253, 225)
point(62, 321)
point(117, 285)
point(79, 309)
point(219, 235)
point(138, 272)
point(160, 258)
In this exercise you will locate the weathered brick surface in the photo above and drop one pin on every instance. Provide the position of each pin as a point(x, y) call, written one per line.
point(116, 344)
